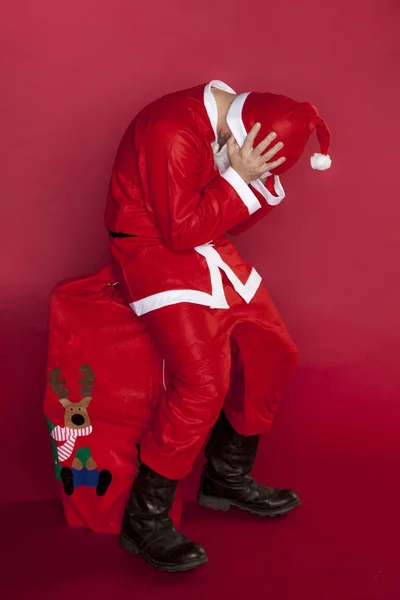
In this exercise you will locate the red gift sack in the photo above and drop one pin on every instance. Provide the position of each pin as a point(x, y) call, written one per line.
point(104, 381)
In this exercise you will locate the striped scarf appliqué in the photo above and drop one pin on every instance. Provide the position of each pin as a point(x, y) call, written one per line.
point(67, 435)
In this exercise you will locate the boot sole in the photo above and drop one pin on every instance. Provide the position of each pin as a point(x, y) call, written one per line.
point(130, 546)
point(222, 504)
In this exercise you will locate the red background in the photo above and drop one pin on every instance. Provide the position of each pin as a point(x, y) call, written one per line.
point(74, 73)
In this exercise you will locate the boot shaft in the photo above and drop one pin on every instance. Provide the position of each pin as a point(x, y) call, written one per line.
point(151, 493)
point(229, 454)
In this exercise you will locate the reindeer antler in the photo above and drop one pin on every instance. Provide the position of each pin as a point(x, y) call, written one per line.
point(58, 384)
point(86, 381)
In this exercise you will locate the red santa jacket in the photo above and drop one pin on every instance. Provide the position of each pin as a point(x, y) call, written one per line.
point(167, 190)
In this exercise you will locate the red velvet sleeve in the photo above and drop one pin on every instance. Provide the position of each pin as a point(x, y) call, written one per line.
point(186, 215)
point(251, 220)
point(257, 216)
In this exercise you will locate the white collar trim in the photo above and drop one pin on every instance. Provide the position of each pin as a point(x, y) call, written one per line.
point(210, 102)
point(236, 125)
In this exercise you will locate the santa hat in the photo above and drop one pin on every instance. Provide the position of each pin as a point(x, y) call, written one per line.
point(293, 122)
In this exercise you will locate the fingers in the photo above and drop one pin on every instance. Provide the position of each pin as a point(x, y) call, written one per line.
point(265, 143)
point(232, 146)
point(251, 136)
point(271, 153)
point(250, 163)
point(271, 166)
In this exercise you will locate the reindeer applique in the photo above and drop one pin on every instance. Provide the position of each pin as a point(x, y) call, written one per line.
point(77, 424)
point(76, 418)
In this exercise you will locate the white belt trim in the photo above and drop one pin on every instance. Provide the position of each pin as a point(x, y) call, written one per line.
point(217, 297)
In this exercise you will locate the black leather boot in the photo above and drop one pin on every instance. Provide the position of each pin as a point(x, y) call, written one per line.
point(226, 481)
point(148, 530)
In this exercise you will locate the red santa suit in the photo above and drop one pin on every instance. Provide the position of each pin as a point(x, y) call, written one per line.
point(205, 307)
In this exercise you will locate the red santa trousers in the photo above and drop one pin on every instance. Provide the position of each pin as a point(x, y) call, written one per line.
point(240, 359)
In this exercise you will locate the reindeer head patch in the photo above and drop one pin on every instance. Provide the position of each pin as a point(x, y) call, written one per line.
point(76, 413)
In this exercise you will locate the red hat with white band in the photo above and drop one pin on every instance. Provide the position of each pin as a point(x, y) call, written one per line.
point(293, 122)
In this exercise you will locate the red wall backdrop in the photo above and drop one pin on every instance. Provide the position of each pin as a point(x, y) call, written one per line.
point(74, 72)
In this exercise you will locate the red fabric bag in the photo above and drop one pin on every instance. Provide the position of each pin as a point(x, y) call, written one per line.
point(104, 381)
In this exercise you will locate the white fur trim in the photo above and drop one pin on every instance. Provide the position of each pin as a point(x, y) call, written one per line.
point(221, 157)
point(242, 189)
point(270, 198)
point(236, 125)
point(216, 299)
point(320, 162)
point(222, 162)
point(234, 119)
point(211, 104)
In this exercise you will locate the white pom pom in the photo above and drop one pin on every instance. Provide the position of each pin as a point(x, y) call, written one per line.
point(320, 162)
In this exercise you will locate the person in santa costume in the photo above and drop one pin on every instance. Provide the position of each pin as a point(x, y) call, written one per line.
point(193, 166)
